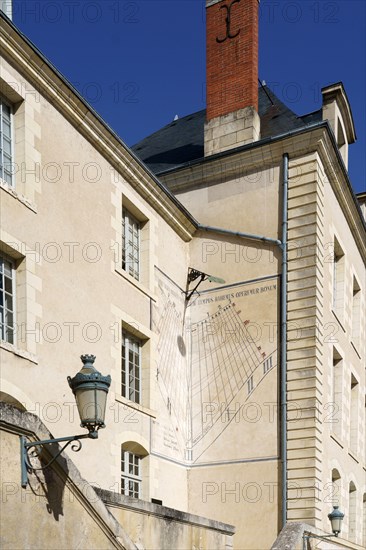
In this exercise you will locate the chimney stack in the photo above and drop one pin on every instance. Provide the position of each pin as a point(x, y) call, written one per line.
point(7, 7)
point(232, 74)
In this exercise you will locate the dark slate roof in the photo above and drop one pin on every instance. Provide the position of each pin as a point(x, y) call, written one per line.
point(181, 141)
point(177, 143)
point(312, 117)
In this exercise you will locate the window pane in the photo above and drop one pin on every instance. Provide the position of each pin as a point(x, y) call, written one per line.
point(5, 111)
point(6, 301)
point(6, 131)
point(9, 318)
point(130, 244)
point(5, 142)
point(8, 284)
point(131, 353)
point(7, 268)
point(8, 178)
point(10, 335)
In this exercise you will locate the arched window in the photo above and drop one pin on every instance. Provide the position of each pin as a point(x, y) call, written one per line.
point(338, 280)
point(354, 420)
point(132, 455)
point(337, 393)
point(352, 504)
point(336, 487)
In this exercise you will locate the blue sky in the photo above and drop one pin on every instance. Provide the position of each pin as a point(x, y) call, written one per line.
point(141, 62)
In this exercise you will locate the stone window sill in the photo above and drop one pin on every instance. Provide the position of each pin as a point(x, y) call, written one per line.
point(142, 288)
point(19, 352)
point(136, 406)
point(17, 196)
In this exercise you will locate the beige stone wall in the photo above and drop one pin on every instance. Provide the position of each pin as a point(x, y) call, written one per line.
point(305, 317)
point(323, 356)
point(237, 476)
point(345, 338)
point(72, 294)
point(157, 527)
point(58, 509)
point(231, 130)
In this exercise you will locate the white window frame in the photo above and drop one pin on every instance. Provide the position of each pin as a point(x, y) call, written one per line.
point(129, 389)
point(131, 239)
point(9, 179)
point(4, 325)
point(131, 479)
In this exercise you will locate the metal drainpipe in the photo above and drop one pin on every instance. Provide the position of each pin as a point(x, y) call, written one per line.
point(283, 340)
point(283, 305)
point(241, 234)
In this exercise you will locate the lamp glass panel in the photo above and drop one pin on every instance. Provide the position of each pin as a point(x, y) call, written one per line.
point(336, 525)
point(85, 400)
point(91, 403)
point(101, 404)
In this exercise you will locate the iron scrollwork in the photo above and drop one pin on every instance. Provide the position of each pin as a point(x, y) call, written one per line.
point(29, 450)
point(229, 34)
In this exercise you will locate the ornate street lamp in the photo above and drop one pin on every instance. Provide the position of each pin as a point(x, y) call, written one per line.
point(335, 518)
point(90, 388)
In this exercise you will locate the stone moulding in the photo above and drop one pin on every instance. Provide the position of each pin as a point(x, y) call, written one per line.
point(170, 514)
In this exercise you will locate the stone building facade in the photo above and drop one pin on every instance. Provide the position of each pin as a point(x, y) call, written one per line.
point(239, 400)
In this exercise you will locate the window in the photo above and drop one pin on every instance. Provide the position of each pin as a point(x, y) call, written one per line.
point(336, 487)
point(130, 473)
point(131, 367)
point(7, 304)
point(130, 244)
point(354, 425)
point(338, 280)
point(352, 505)
point(5, 142)
point(337, 395)
point(356, 310)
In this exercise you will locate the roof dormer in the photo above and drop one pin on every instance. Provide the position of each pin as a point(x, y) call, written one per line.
point(337, 110)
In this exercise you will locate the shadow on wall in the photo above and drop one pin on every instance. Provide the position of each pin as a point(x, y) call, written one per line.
point(46, 484)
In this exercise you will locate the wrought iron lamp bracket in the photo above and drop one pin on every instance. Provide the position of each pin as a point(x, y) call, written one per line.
point(26, 453)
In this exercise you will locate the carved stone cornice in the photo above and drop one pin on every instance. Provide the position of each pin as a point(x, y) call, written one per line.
point(268, 153)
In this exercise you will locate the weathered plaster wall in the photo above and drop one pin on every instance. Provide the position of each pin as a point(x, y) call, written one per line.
point(58, 510)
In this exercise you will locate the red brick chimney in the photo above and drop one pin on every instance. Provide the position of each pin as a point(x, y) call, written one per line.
point(232, 74)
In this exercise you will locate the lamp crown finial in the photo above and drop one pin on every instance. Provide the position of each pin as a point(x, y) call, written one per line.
point(87, 358)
